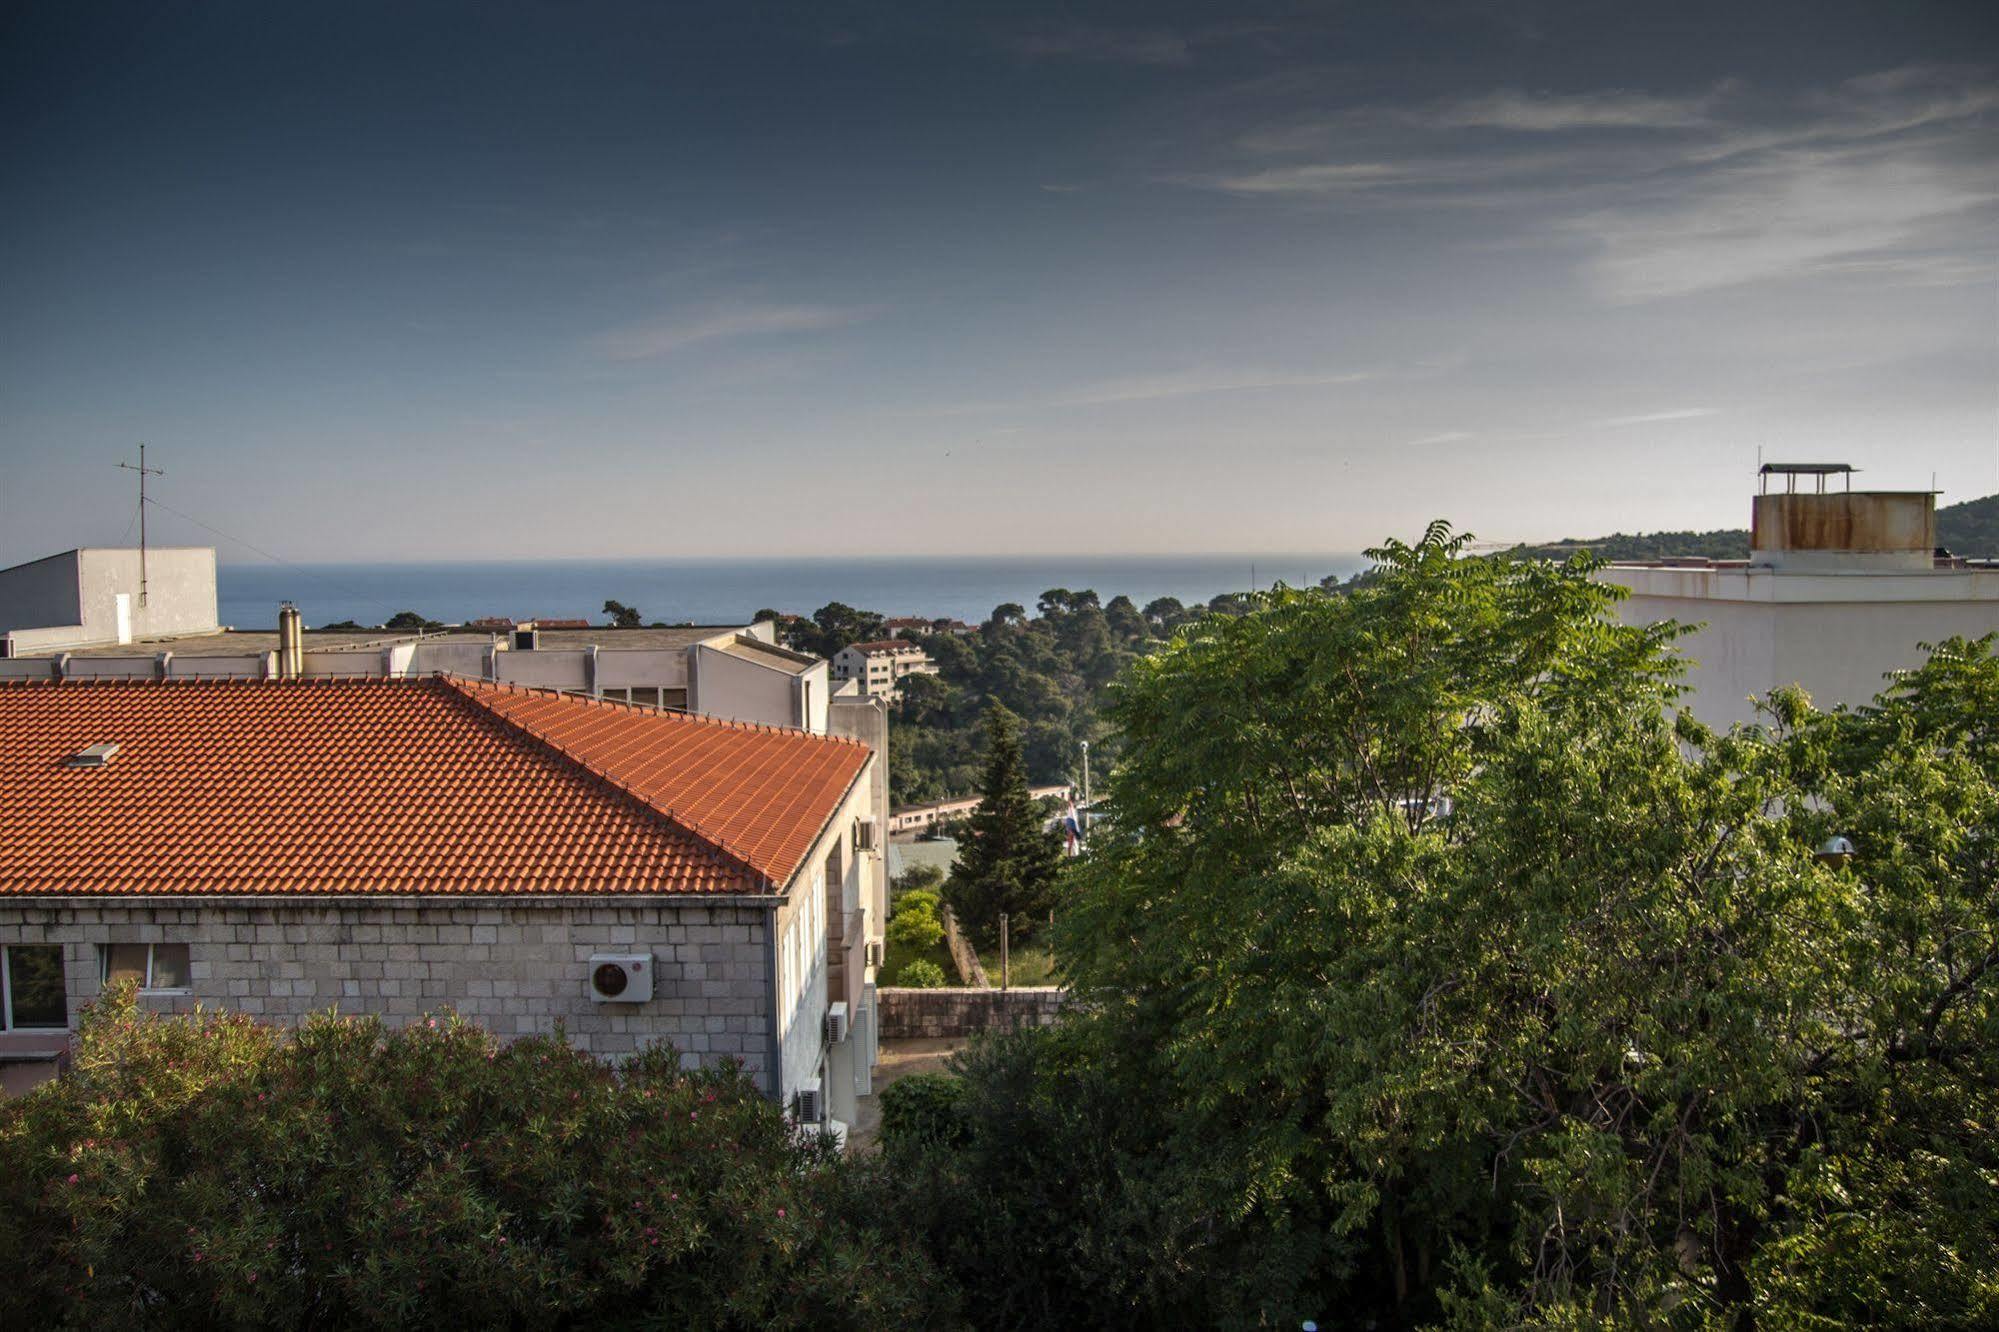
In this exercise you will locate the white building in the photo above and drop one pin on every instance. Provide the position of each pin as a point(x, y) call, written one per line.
point(1841, 589)
point(93, 596)
point(878, 668)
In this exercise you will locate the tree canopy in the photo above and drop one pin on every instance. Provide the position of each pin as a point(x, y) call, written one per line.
point(1431, 969)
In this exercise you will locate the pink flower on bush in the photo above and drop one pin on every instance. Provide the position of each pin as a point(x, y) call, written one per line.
point(72, 1179)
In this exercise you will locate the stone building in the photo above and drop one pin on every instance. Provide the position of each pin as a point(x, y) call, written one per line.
point(402, 846)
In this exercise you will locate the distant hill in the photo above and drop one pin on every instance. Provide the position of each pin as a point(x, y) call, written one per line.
point(1970, 528)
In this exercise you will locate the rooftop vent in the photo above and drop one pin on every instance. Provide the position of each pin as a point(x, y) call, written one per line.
point(91, 756)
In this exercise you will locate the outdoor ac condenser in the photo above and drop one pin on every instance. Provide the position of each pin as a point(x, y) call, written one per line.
point(809, 1109)
point(836, 1023)
point(621, 978)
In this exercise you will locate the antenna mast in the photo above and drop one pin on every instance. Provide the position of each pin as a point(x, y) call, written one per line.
point(144, 472)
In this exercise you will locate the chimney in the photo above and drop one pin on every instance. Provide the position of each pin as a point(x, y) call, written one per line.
point(291, 642)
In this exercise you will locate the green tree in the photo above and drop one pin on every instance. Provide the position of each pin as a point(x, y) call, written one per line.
point(623, 616)
point(1429, 968)
point(1009, 860)
point(408, 621)
point(214, 1170)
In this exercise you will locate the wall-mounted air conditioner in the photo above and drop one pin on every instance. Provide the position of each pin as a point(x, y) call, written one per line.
point(864, 834)
point(621, 978)
point(808, 1109)
point(874, 954)
point(836, 1023)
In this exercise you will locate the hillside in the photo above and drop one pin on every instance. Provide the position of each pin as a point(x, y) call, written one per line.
point(1970, 528)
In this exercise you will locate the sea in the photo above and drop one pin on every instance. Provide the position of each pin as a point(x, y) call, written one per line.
point(729, 591)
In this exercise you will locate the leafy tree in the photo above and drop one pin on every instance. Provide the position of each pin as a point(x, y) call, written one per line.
point(210, 1169)
point(834, 626)
point(409, 621)
point(1595, 1041)
point(1009, 859)
point(623, 616)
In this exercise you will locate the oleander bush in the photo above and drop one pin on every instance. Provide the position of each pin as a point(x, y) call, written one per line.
point(211, 1169)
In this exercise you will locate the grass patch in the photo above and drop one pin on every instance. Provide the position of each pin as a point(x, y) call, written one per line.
point(1028, 964)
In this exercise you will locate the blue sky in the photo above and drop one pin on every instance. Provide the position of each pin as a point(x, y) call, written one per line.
point(505, 281)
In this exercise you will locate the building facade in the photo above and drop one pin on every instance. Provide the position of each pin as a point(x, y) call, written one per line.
point(94, 596)
point(879, 668)
point(399, 847)
point(1841, 590)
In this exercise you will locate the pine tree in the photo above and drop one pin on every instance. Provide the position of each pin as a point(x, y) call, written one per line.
point(1009, 859)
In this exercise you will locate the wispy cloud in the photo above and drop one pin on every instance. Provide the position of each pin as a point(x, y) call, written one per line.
point(1124, 46)
point(664, 337)
point(1530, 113)
point(1793, 215)
point(1444, 437)
point(1887, 176)
point(1186, 383)
point(1181, 383)
point(1651, 418)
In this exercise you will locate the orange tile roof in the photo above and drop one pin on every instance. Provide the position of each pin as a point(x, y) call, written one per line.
point(398, 786)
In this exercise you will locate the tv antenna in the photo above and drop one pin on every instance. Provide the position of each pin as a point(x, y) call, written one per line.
point(144, 472)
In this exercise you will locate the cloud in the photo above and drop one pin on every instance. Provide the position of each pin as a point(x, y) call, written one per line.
point(643, 342)
point(1794, 215)
point(1169, 384)
point(1123, 46)
point(1650, 418)
point(1446, 437)
point(1186, 383)
point(1529, 113)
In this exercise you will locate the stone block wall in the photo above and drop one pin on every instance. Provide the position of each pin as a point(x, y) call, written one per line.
point(914, 1014)
point(515, 967)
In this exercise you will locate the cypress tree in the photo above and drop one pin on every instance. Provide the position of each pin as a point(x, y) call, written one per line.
point(1009, 859)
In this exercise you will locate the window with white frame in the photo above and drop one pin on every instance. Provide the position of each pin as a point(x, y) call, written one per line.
point(156, 966)
point(32, 994)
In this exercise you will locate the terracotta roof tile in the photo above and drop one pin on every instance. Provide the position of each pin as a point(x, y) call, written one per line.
point(375, 786)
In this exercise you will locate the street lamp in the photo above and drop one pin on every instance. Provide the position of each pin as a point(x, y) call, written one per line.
point(1834, 852)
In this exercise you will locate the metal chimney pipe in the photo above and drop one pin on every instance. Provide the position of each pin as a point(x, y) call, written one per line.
point(291, 642)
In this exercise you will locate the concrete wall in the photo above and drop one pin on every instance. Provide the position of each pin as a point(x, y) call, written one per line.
point(858, 717)
point(41, 594)
point(180, 591)
point(516, 967)
point(742, 690)
point(1836, 635)
point(936, 1014)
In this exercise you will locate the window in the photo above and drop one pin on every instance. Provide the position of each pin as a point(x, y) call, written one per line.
point(155, 966)
point(31, 987)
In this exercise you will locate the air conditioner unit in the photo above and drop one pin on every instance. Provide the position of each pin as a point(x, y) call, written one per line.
point(874, 954)
point(808, 1107)
point(836, 1023)
point(621, 978)
point(864, 834)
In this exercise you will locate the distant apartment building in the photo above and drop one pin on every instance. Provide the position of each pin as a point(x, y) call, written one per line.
point(398, 846)
point(911, 819)
point(917, 625)
point(879, 668)
point(1841, 589)
point(96, 597)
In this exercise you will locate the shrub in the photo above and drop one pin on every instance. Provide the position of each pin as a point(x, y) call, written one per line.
point(923, 1107)
point(351, 1174)
point(915, 930)
point(921, 974)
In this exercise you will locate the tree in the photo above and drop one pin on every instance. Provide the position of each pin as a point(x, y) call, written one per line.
point(1428, 968)
point(623, 616)
point(1009, 859)
point(408, 621)
point(834, 626)
point(215, 1170)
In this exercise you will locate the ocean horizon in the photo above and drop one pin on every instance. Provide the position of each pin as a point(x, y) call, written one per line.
point(718, 591)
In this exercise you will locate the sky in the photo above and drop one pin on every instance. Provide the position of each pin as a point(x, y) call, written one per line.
point(515, 281)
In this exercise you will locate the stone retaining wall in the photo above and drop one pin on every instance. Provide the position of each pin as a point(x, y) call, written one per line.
point(911, 1014)
point(971, 971)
